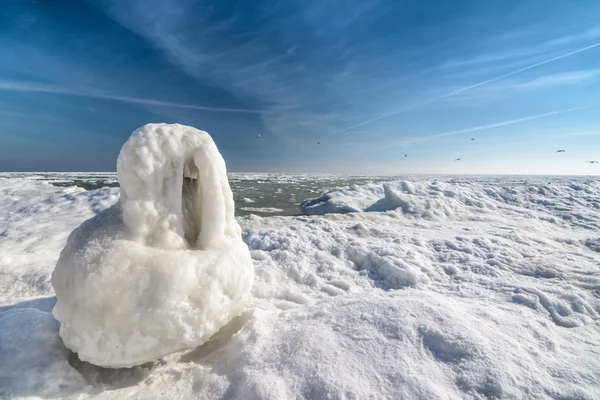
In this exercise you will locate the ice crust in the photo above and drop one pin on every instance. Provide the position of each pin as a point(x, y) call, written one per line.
point(480, 288)
point(165, 267)
point(438, 199)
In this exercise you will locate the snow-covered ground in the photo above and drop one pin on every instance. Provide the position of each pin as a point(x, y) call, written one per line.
point(445, 288)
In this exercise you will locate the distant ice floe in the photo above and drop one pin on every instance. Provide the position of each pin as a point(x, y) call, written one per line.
point(265, 210)
point(165, 267)
point(567, 203)
point(353, 198)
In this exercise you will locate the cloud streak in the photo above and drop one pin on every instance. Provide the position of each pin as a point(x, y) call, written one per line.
point(494, 125)
point(473, 86)
point(79, 92)
point(591, 34)
point(297, 63)
point(409, 141)
point(563, 78)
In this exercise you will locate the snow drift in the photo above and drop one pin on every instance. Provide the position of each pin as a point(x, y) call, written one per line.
point(439, 200)
point(477, 288)
point(350, 199)
point(165, 267)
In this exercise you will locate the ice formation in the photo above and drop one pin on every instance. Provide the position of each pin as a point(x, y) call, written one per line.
point(165, 267)
point(350, 199)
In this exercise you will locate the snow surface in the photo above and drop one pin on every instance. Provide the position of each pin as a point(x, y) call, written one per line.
point(476, 288)
point(165, 267)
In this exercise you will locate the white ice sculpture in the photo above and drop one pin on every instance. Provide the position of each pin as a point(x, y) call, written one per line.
point(164, 268)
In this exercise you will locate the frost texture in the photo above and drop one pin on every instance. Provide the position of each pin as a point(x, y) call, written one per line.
point(165, 267)
point(476, 288)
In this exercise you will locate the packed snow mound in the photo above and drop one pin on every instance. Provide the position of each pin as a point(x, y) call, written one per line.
point(165, 267)
point(344, 200)
point(33, 232)
point(410, 344)
point(559, 203)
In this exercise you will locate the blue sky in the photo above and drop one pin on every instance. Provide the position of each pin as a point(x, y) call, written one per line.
point(371, 80)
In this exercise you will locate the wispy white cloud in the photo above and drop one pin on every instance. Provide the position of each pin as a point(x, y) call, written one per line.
point(29, 115)
point(492, 126)
point(562, 78)
point(473, 86)
point(86, 92)
point(376, 147)
point(272, 66)
point(512, 87)
point(592, 33)
point(516, 47)
point(497, 58)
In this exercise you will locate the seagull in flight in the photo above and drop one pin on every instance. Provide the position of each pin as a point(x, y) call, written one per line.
point(560, 151)
point(472, 138)
point(592, 162)
point(457, 159)
point(258, 136)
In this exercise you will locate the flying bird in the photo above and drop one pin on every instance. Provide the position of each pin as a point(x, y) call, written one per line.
point(592, 162)
point(472, 138)
point(560, 151)
point(457, 159)
point(258, 136)
point(406, 155)
point(318, 142)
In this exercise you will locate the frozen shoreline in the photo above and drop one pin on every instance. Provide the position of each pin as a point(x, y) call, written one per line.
point(491, 299)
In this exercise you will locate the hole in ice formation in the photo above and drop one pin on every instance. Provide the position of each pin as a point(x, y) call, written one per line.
point(191, 202)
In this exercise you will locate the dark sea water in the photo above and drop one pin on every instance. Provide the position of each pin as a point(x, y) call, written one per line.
point(260, 194)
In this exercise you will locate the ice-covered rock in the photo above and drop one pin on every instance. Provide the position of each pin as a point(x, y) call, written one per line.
point(165, 267)
point(349, 199)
